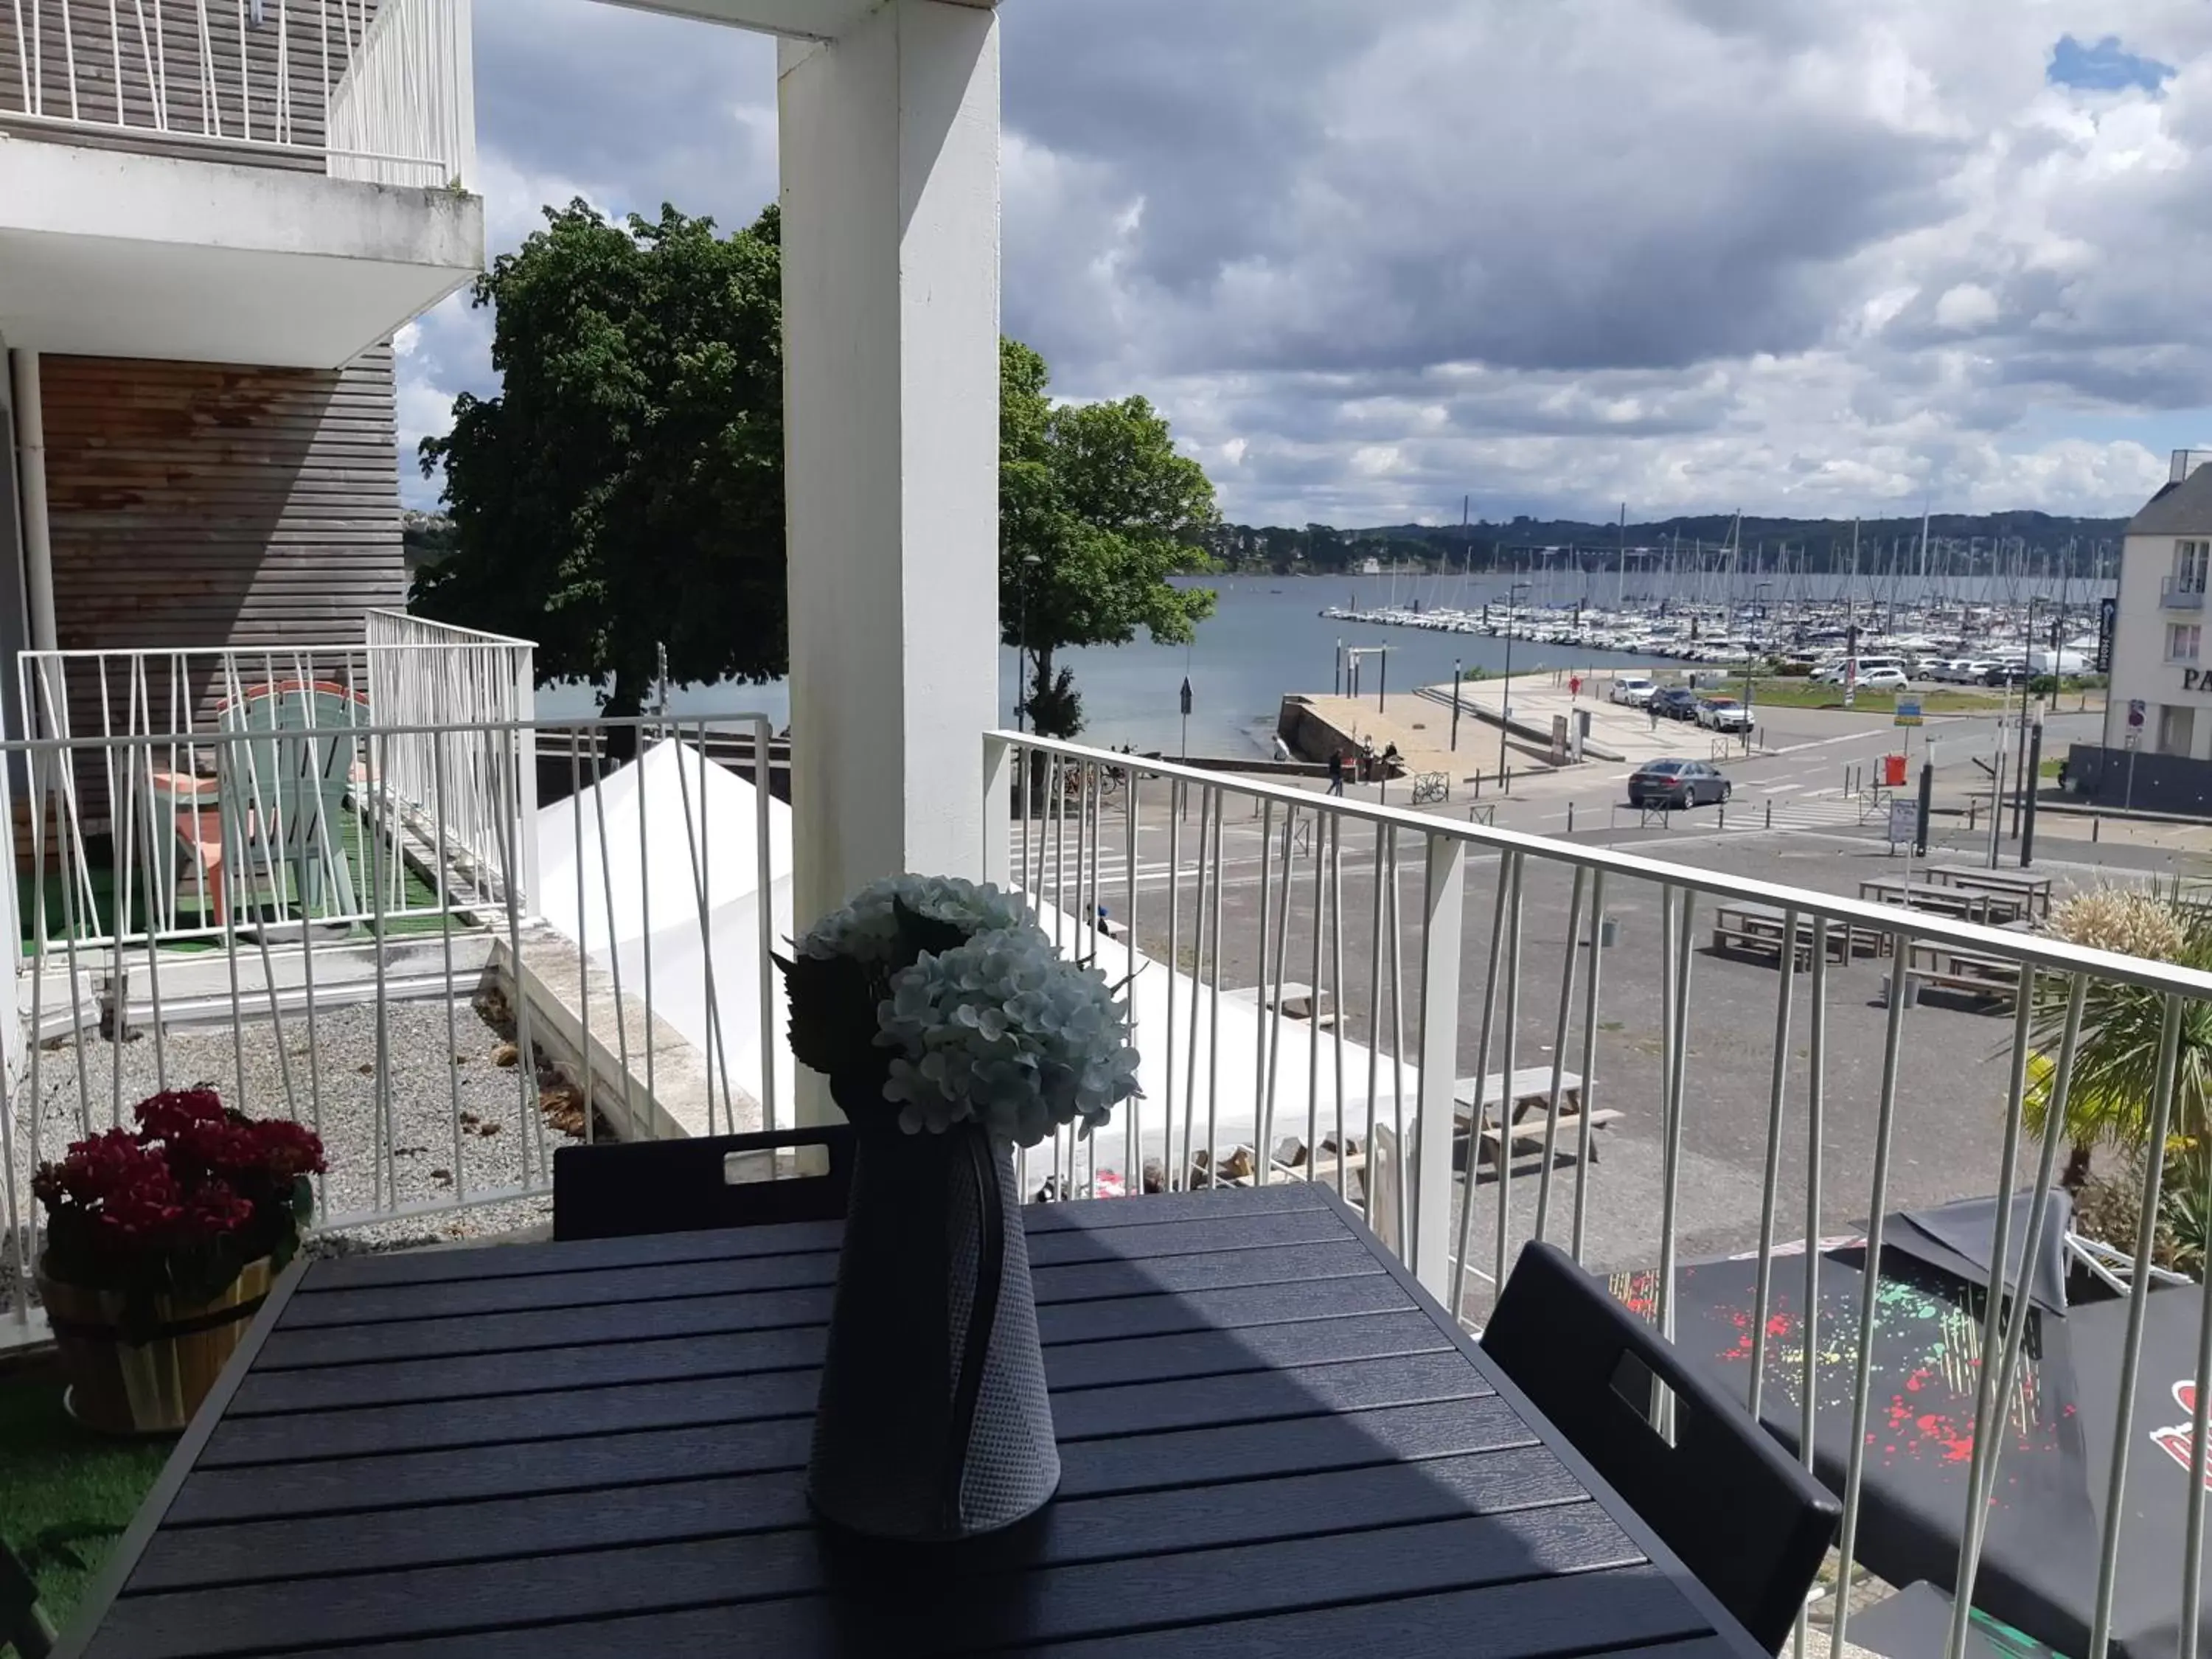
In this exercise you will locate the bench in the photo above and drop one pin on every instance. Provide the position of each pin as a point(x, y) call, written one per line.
point(1294, 997)
point(1530, 1088)
point(1745, 928)
point(1991, 978)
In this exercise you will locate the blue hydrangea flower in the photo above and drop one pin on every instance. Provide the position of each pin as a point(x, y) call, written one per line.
point(1006, 1032)
point(866, 928)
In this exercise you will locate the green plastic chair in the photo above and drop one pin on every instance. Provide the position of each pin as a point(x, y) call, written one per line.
point(283, 792)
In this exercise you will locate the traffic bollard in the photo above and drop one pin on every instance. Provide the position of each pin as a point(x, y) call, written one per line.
point(1570, 817)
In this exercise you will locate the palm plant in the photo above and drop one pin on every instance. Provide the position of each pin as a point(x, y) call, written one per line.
point(2116, 1058)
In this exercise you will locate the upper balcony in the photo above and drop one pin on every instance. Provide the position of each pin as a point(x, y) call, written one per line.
point(2172, 596)
point(282, 183)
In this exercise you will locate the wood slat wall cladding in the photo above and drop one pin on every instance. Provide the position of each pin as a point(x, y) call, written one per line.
point(169, 63)
point(208, 504)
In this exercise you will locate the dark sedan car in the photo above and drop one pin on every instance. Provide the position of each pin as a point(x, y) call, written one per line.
point(1674, 704)
point(1676, 783)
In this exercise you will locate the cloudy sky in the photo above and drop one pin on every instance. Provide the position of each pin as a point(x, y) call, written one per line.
point(1790, 255)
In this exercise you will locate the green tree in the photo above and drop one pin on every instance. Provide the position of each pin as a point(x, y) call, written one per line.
point(1096, 512)
point(624, 490)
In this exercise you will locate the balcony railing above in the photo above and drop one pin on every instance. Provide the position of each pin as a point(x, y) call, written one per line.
point(2173, 597)
point(380, 93)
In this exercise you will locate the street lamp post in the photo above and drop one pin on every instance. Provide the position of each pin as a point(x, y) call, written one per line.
point(1505, 698)
point(1759, 593)
point(2021, 783)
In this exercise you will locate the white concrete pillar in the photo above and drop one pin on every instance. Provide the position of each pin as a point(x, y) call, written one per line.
point(889, 145)
point(31, 497)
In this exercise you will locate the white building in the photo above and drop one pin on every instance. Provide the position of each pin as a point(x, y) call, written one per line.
point(213, 220)
point(2160, 704)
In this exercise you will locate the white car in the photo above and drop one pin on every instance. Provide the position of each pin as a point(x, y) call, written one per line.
point(1634, 689)
point(1882, 679)
point(1724, 714)
point(1868, 668)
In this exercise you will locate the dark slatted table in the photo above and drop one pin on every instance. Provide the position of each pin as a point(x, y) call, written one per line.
point(1273, 1443)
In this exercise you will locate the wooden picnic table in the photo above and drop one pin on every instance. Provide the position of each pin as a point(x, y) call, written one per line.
point(1530, 1090)
point(1940, 898)
point(1272, 1442)
point(2032, 889)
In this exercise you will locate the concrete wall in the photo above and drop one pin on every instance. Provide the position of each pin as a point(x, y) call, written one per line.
point(111, 254)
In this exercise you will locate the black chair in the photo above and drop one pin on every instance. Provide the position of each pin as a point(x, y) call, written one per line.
point(621, 1189)
point(21, 1621)
point(1750, 1522)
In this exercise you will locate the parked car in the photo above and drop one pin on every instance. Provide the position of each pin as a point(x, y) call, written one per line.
point(1832, 673)
point(1882, 679)
point(1672, 783)
point(1674, 704)
point(2004, 673)
point(1724, 714)
point(1633, 690)
point(1961, 671)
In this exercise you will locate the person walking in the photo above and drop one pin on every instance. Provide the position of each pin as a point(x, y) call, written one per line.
point(1336, 771)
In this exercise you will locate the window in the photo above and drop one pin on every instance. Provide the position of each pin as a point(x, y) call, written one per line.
point(2176, 728)
point(2191, 560)
point(2182, 640)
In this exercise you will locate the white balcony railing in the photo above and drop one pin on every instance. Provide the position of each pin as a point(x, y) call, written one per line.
point(406, 676)
point(292, 927)
point(406, 111)
point(1221, 892)
point(383, 92)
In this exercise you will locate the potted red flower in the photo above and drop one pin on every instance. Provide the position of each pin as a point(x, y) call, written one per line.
point(160, 1244)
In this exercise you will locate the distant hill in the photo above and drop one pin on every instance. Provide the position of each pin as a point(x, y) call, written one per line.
point(1959, 544)
point(424, 538)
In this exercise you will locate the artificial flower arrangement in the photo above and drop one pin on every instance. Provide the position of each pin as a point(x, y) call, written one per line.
point(944, 1002)
point(951, 1031)
point(177, 1207)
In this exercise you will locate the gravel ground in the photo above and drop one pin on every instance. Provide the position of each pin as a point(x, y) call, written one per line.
point(389, 1146)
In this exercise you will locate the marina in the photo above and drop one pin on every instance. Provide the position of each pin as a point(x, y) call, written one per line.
point(1929, 635)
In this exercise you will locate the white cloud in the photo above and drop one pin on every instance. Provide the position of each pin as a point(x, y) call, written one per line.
point(1699, 254)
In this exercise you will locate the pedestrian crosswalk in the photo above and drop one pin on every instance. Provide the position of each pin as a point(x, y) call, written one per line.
point(1828, 812)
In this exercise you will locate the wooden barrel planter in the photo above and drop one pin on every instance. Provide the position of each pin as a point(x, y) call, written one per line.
point(153, 1386)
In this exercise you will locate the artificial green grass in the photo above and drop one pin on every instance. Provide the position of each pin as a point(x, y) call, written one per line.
point(66, 1494)
point(415, 911)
